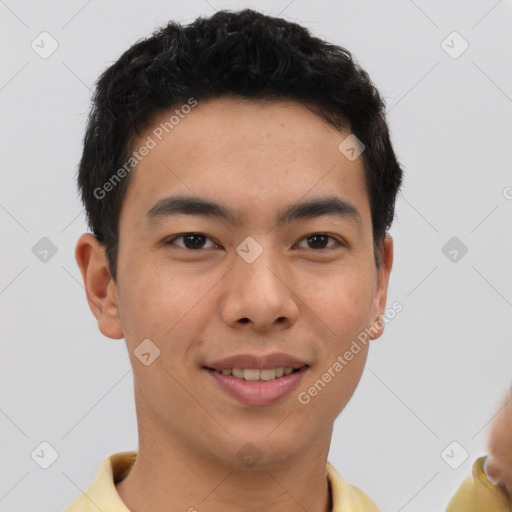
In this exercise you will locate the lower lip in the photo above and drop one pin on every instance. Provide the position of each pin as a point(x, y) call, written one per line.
point(258, 392)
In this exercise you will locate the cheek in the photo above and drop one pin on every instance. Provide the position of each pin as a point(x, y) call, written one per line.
point(167, 309)
point(150, 296)
point(342, 303)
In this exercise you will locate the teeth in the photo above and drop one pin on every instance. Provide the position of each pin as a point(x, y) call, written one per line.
point(253, 375)
point(269, 374)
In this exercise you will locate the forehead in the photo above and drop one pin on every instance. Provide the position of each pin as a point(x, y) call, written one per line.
point(253, 156)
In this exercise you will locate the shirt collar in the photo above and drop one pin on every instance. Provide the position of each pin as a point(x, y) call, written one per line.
point(102, 495)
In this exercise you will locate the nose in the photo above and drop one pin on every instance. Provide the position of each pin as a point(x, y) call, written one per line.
point(260, 295)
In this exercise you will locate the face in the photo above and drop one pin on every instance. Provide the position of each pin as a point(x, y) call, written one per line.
point(253, 283)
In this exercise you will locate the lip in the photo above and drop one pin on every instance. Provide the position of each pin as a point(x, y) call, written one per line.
point(259, 362)
point(259, 393)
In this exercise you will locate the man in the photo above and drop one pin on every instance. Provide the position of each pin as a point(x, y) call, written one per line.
point(239, 181)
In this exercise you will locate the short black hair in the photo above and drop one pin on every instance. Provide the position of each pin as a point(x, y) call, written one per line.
point(243, 54)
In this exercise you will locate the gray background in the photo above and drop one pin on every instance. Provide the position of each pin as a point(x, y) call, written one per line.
point(443, 364)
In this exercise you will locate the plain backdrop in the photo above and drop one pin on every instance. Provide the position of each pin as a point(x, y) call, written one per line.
point(438, 373)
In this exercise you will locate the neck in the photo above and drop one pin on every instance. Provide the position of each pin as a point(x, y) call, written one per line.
point(170, 476)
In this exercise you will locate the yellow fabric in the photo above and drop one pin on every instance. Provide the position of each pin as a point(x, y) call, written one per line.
point(102, 495)
point(474, 495)
point(345, 497)
point(477, 494)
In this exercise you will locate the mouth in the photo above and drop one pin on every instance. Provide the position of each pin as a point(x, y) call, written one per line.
point(256, 386)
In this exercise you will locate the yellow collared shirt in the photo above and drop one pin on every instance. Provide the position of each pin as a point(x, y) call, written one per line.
point(476, 494)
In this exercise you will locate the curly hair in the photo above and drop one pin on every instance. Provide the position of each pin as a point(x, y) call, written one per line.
point(242, 54)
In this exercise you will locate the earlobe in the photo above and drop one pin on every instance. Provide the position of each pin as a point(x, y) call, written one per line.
point(101, 291)
point(377, 328)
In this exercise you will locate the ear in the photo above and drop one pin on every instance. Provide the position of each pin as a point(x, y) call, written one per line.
point(100, 288)
point(383, 272)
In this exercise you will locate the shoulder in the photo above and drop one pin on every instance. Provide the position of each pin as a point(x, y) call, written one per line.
point(101, 493)
point(346, 496)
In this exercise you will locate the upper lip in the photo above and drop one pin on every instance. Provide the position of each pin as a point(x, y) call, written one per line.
point(255, 361)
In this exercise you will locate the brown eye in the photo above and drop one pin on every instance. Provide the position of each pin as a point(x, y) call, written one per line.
point(319, 241)
point(191, 241)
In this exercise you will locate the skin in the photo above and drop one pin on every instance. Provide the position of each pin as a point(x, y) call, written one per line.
point(499, 464)
point(200, 305)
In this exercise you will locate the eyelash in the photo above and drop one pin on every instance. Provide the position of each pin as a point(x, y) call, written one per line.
point(337, 240)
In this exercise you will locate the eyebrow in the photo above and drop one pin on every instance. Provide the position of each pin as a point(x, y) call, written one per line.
point(185, 205)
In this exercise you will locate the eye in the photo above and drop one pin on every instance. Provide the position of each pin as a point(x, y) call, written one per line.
point(192, 241)
point(319, 241)
point(197, 241)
